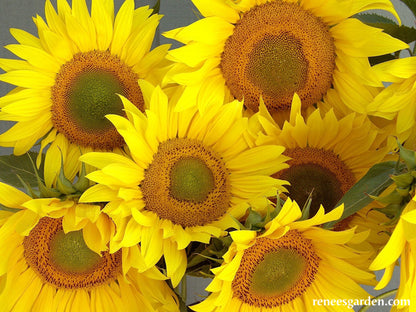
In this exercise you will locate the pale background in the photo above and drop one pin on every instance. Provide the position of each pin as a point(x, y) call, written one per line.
point(177, 13)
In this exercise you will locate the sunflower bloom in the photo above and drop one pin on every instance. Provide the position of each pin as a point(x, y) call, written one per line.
point(188, 175)
point(370, 220)
point(68, 79)
point(397, 102)
point(328, 155)
point(275, 48)
point(47, 265)
point(401, 245)
point(286, 267)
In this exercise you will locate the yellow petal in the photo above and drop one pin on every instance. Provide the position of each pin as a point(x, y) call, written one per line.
point(28, 79)
point(23, 37)
point(388, 273)
point(215, 30)
point(122, 26)
point(217, 8)
point(103, 22)
point(357, 39)
point(98, 193)
point(391, 252)
point(12, 197)
point(243, 237)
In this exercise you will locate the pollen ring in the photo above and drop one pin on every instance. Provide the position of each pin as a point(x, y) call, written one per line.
point(63, 259)
point(274, 272)
point(277, 49)
point(187, 183)
point(85, 90)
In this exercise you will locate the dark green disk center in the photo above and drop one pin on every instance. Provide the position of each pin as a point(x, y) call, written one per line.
point(277, 65)
point(316, 180)
point(191, 180)
point(277, 273)
point(92, 96)
point(70, 254)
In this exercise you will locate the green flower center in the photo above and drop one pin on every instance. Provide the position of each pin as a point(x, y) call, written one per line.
point(70, 253)
point(64, 260)
point(86, 90)
point(94, 95)
point(186, 183)
point(317, 173)
point(278, 272)
point(315, 181)
point(273, 272)
point(191, 180)
point(282, 75)
point(276, 49)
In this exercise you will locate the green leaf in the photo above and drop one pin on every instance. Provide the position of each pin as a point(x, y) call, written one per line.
point(391, 211)
point(307, 208)
point(12, 166)
point(408, 156)
point(253, 219)
point(411, 4)
point(156, 8)
point(404, 33)
point(392, 198)
point(8, 209)
point(374, 60)
point(182, 305)
point(374, 182)
point(403, 180)
point(373, 18)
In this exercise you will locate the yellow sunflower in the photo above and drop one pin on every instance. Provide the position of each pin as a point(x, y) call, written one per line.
point(274, 48)
point(370, 220)
point(402, 244)
point(288, 267)
point(68, 79)
point(46, 264)
point(187, 177)
point(328, 155)
point(397, 102)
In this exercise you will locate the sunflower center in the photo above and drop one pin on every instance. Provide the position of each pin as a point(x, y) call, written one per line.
point(94, 95)
point(86, 89)
point(278, 272)
point(285, 74)
point(187, 183)
point(191, 180)
point(277, 49)
point(274, 272)
point(318, 174)
point(70, 254)
point(64, 260)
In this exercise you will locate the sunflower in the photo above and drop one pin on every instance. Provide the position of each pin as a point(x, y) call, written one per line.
point(47, 265)
point(274, 48)
point(402, 244)
point(187, 179)
point(370, 220)
point(328, 155)
point(68, 79)
point(397, 102)
point(288, 266)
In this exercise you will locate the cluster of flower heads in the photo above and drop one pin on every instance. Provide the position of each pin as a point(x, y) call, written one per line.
point(249, 134)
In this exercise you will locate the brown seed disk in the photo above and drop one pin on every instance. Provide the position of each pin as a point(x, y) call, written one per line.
point(38, 255)
point(319, 173)
point(157, 184)
point(253, 257)
point(277, 49)
point(63, 117)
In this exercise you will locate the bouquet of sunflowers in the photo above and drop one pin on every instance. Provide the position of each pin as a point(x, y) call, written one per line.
point(272, 151)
